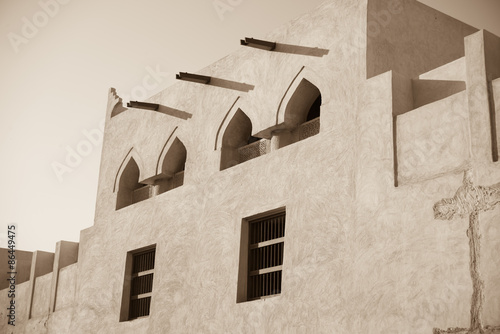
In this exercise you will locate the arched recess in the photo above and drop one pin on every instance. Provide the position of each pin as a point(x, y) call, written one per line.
point(225, 122)
point(300, 108)
point(172, 166)
point(234, 138)
point(127, 187)
point(237, 134)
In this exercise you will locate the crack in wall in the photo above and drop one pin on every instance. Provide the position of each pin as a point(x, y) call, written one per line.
point(470, 200)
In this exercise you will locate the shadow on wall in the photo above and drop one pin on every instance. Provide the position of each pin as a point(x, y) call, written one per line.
point(174, 112)
point(161, 109)
point(118, 109)
point(284, 48)
point(234, 85)
point(300, 50)
point(129, 188)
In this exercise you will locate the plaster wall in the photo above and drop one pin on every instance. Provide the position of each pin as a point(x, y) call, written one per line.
point(492, 55)
point(492, 64)
point(413, 269)
point(42, 321)
point(197, 240)
point(66, 287)
point(41, 296)
point(57, 322)
point(429, 91)
point(489, 264)
point(361, 255)
point(411, 38)
point(495, 87)
point(408, 272)
point(23, 267)
point(433, 140)
point(453, 71)
point(21, 302)
point(482, 147)
point(269, 72)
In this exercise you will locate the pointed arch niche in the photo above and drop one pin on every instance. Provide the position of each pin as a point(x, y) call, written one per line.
point(237, 144)
point(301, 116)
point(129, 190)
point(173, 163)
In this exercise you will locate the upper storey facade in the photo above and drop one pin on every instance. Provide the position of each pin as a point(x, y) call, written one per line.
point(326, 54)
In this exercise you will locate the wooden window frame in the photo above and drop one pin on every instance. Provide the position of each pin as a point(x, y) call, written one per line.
point(128, 296)
point(246, 268)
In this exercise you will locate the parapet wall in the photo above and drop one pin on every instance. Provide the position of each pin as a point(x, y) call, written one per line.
point(48, 294)
point(22, 267)
point(446, 133)
point(433, 140)
point(430, 39)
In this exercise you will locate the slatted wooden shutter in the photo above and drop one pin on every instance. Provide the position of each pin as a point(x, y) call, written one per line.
point(267, 237)
point(142, 283)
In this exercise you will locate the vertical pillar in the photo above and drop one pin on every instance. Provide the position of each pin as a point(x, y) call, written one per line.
point(66, 254)
point(482, 143)
point(282, 138)
point(495, 87)
point(41, 264)
point(492, 61)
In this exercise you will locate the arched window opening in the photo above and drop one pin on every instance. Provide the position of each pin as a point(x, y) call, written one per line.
point(314, 111)
point(238, 144)
point(130, 191)
point(302, 114)
point(173, 168)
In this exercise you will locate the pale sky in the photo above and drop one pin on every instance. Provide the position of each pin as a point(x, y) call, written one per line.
point(54, 80)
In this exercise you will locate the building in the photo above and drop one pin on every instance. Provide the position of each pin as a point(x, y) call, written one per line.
point(291, 187)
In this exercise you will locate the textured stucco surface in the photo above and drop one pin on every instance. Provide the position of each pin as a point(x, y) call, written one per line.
point(492, 55)
point(21, 298)
point(198, 240)
point(414, 273)
point(41, 295)
point(412, 38)
point(429, 91)
point(454, 71)
point(433, 140)
point(478, 101)
point(361, 255)
point(23, 266)
point(495, 87)
point(66, 287)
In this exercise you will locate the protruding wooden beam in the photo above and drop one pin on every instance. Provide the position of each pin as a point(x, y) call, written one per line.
point(193, 77)
point(143, 105)
point(257, 43)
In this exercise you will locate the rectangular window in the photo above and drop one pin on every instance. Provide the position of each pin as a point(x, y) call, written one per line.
point(263, 240)
point(138, 285)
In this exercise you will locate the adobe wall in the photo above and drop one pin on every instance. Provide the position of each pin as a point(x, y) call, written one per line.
point(44, 303)
point(361, 255)
point(196, 227)
point(433, 140)
point(23, 267)
point(21, 304)
point(410, 38)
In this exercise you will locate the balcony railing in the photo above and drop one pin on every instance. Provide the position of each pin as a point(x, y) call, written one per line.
point(253, 150)
point(309, 129)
